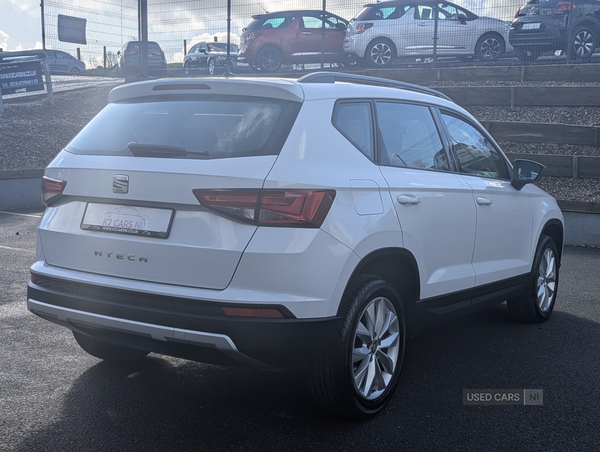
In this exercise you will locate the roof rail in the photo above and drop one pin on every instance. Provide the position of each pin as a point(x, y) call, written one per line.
point(332, 77)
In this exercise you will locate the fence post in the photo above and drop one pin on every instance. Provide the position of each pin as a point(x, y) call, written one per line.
point(184, 47)
point(575, 166)
point(78, 53)
point(105, 59)
point(435, 34)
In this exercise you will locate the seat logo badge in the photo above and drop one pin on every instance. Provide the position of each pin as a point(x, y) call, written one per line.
point(120, 183)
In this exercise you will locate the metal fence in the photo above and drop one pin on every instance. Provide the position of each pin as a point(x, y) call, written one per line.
point(418, 33)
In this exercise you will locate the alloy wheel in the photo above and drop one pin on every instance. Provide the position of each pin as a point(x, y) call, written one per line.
point(546, 283)
point(583, 44)
point(381, 54)
point(270, 60)
point(376, 348)
point(490, 49)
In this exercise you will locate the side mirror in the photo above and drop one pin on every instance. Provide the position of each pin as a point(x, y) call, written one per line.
point(118, 52)
point(463, 19)
point(526, 172)
point(203, 51)
point(341, 27)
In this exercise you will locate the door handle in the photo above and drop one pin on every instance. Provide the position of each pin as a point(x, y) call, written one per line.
point(408, 199)
point(306, 33)
point(483, 201)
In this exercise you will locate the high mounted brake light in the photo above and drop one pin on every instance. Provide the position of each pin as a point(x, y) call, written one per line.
point(52, 189)
point(287, 208)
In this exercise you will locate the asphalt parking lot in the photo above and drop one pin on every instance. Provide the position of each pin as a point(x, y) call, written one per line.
point(53, 396)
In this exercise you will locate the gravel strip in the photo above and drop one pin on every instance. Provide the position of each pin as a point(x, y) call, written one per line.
point(508, 83)
point(566, 189)
point(548, 148)
point(582, 116)
point(33, 132)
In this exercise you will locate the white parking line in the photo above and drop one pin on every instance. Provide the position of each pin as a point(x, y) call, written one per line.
point(21, 214)
point(16, 249)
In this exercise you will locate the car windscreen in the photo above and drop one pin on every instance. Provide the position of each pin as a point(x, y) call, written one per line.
point(205, 126)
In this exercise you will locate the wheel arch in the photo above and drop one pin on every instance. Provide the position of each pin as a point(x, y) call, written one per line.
point(383, 38)
point(555, 230)
point(495, 34)
point(397, 266)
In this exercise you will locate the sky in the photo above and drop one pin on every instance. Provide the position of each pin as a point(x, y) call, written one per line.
point(170, 22)
point(20, 25)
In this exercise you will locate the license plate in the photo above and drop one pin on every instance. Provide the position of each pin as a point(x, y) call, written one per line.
point(532, 26)
point(144, 221)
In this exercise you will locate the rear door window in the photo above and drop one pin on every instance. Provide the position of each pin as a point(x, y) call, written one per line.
point(409, 137)
point(211, 127)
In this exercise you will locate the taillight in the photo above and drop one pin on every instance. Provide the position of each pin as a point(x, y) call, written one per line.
point(563, 8)
point(288, 208)
point(159, 53)
point(257, 313)
point(360, 28)
point(129, 52)
point(51, 189)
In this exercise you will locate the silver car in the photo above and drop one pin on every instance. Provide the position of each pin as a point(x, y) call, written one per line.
point(387, 30)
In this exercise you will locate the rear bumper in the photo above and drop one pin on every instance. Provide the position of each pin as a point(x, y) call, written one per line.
point(549, 37)
point(191, 329)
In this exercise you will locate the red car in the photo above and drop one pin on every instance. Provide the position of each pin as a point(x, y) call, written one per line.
point(292, 37)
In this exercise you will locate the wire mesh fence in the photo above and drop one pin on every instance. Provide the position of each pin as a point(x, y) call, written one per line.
point(380, 35)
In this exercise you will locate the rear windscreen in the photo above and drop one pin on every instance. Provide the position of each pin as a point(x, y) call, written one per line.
point(209, 127)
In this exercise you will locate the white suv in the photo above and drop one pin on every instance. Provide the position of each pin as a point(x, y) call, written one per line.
point(311, 224)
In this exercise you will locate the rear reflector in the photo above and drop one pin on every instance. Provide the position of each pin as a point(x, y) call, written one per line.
point(288, 208)
point(263, 313)
point(51, 189)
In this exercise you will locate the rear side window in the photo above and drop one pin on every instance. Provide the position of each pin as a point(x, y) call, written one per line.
point(211, 127)
point(354, 121)
point(383, 12)
point(271, 22)
point(409, 137)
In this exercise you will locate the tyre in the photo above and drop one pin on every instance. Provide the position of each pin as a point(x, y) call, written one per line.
point(186, 69)
point(357, 376)
point(269, 59)
point(380, 53)
point(585, 41)
point(489, 48)
point(108, 352)
point(526, 55)
point(211, 67)
point(536, 303)
point(75, 71)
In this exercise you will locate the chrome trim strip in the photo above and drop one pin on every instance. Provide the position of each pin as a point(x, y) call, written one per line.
point(221, 342)
point(313, 53)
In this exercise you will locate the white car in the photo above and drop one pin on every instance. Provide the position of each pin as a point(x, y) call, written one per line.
point(387, 30)
point(288, 224)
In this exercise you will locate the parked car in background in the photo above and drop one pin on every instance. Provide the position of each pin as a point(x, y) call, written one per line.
point(130, 59)
point(292, 37)
point(543, 25)
point(209, 56)
point(62, 62)
point(309, 224)
point(384, 31)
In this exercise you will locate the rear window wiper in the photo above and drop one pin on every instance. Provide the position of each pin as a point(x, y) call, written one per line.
point(161, 150)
